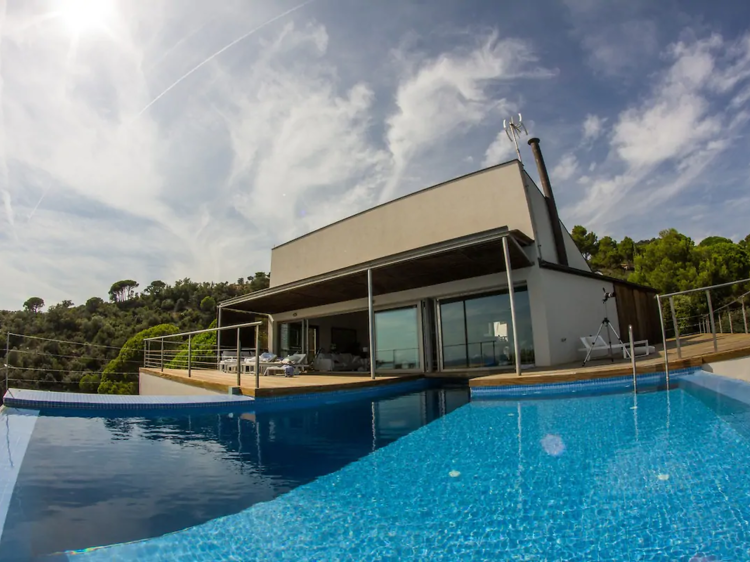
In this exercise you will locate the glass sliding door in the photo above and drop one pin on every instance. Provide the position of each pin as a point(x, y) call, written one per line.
point(477, 331)
point(397, 339)
point(290, 338)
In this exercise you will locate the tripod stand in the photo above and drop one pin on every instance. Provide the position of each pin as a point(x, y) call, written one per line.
point(605, 325)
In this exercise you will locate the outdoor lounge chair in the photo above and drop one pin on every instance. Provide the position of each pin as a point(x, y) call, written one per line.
point(290, 366)
point(228, 363)
point(597, 344)
point(266, 360)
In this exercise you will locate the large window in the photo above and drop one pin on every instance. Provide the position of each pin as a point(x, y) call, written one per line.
point(397, 339)
point(477, 331)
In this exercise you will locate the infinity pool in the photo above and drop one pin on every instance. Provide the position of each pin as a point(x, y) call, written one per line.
point(653, 476)
point(89, 481)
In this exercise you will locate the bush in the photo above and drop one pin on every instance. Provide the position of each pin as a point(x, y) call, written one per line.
point(120, 376)
point(208, 304)
point(203, 349)
point(89, 383)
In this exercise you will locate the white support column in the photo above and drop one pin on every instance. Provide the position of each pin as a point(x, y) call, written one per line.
point(509, 275)
point(371, 319)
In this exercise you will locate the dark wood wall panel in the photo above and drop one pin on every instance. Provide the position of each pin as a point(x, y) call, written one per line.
point(639, 308)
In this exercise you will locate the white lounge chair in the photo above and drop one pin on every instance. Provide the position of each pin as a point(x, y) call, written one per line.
point(640, 349)
point(266, 360)
point(295, 362)
point(228, 363)
point(597, 345)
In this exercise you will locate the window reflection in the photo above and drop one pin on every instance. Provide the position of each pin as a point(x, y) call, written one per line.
point(477, 331)
point(397, 339)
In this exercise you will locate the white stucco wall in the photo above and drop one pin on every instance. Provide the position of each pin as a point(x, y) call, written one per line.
point(150, 385)
point(573, 309)
point(486, 200)
point(543, 238)
point(545, 241)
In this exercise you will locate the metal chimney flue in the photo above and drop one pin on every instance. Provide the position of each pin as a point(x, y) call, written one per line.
point(557, 234)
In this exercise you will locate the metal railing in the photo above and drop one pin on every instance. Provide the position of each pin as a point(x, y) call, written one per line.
point(176, 351)
point(731, 315)
point(413, 358)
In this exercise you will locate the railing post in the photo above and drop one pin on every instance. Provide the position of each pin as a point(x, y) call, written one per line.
point(676, 328)
point(190, 355)
point(239, 368)
point(218, 341)
point(161, 360)
point(711, 318)
point(257, 357)
point(7, 359)
point(744, 316)
point(632, 356)
point(729, 317)
point(663, 337)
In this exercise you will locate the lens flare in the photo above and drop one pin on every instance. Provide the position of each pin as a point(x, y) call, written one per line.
point(553, 445)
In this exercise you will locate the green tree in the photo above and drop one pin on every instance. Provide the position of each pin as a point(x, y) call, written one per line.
point(34, 304)
point(711, 240)
point(627, 250)
point(669, 263)
point(607, 255)
point(155, 287)
point(94, 304)
point(123, 290)
point(120, 376)
point(203, 351)
point(208, 304)
point(587, 242)
point(90, 383)
point(260, 281)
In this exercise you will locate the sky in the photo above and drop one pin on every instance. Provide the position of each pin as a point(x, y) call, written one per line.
point(183, 138)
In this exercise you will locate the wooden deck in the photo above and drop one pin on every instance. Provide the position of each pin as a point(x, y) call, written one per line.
point(278, 385)
point(696, 351)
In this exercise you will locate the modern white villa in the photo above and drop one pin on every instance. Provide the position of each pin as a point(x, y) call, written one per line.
point(474, 275)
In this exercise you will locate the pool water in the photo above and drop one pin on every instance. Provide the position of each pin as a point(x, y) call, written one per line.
point(89, 481)
point(658, 476)
point(653, 476)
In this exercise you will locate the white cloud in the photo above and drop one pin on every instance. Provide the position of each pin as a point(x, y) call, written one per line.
point(261, 144)
point(566, 168)
point(501, 150)
point(445, 96)
point(662, 146)
point(593, 127)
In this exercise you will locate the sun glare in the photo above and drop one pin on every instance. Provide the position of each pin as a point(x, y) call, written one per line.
point(86, 15)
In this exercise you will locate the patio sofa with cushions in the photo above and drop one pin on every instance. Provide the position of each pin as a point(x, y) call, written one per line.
point(338, 362)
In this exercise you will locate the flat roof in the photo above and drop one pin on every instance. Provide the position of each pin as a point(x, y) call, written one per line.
point(461, 258)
